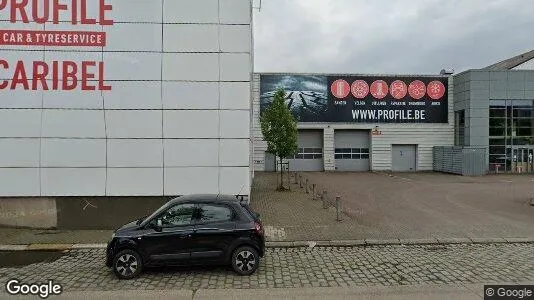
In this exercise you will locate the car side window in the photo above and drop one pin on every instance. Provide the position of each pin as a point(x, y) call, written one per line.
point(214, 214)
point(178, 215)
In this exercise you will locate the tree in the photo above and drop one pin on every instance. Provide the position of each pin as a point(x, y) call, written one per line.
point(279, 129)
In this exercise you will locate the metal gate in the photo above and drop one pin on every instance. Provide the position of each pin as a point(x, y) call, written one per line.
point(310, 152)
point(352, 150)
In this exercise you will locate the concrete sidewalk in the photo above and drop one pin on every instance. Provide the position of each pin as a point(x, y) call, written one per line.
point(13, 239)
point(379, 292)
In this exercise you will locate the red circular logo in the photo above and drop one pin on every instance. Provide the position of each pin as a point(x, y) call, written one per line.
point(360, 89)
point(398, 89)
point(417, 89)
point(436, 90)
point(379, 89)
point(340, 88)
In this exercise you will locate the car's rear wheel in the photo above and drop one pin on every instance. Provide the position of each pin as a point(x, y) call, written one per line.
point(127, 264)
point(245, 260)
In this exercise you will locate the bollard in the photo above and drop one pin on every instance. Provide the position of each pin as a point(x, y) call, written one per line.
point(324, 198)
point(300, 181)
point(307, 190)
point(296, 178)
point(313, 191)
point(339, 209)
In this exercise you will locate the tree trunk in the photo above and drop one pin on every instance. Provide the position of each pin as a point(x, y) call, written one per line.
point(281, 176)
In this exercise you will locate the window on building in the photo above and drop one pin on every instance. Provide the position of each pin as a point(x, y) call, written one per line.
point(352, 153)
point(511, 133)
point(459, 139)
point(308, 153)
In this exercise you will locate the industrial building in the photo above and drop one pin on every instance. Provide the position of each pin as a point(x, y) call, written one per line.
point(352, 122)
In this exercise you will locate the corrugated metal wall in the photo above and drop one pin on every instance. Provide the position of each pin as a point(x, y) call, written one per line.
point(467, 161)
point(425, 136)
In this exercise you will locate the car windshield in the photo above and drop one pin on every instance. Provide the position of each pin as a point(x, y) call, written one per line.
point(157, 212)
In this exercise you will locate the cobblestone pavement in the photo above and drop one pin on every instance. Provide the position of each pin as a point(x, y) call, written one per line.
point(82, 270)
point(399, 206)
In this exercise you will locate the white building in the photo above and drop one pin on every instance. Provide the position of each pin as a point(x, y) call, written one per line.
point(160, 105)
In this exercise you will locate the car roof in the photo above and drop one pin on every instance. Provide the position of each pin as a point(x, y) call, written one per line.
point(204, 198)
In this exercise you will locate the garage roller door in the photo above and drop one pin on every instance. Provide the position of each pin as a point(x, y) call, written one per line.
point(310, 153)
point(352, 150)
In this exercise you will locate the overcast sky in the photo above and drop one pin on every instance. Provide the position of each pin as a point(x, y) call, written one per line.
point(389, 36)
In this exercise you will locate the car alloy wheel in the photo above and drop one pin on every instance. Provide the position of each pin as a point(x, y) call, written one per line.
point(245, 260)
point(127, 264)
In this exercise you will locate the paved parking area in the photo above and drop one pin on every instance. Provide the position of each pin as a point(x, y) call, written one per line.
point(398, 206)
point(419, 205)
point(84, 270)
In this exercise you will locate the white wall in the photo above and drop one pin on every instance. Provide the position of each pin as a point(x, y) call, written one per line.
point(177, 120)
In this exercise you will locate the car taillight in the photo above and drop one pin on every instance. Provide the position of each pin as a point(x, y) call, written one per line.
point(259, 228)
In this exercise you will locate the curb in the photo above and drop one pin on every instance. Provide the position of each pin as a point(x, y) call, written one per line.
point(302, 244)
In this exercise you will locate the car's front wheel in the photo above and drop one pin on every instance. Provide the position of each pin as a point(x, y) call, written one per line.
point(245, 260)
point(127, 264)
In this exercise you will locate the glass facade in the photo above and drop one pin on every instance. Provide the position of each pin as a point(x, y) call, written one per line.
point(511, 132)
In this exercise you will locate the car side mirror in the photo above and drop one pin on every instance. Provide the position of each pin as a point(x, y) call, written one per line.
point(157, 226)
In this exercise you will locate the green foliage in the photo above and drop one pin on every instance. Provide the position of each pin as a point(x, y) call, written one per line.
point(279, 128)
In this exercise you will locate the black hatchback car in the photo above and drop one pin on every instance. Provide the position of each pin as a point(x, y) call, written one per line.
point(190, 230)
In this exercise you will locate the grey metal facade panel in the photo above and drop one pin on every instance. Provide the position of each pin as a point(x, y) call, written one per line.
point(480, 84)
point(516, 78)
point(499, 75)
point(479, 75)
point(529, 76)
point(498, 95)
point(517, 95)
point(479, 113)
point(478, 122)
point(467, 161)
point(501, 85)
point(479, 95)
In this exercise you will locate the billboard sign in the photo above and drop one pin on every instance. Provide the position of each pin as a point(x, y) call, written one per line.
point(360, 99)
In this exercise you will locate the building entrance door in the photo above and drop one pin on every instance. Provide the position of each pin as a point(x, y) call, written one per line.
point(522, 159)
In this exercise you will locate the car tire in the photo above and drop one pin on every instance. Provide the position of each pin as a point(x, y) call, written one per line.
point(245, 260)
point(127, 264)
